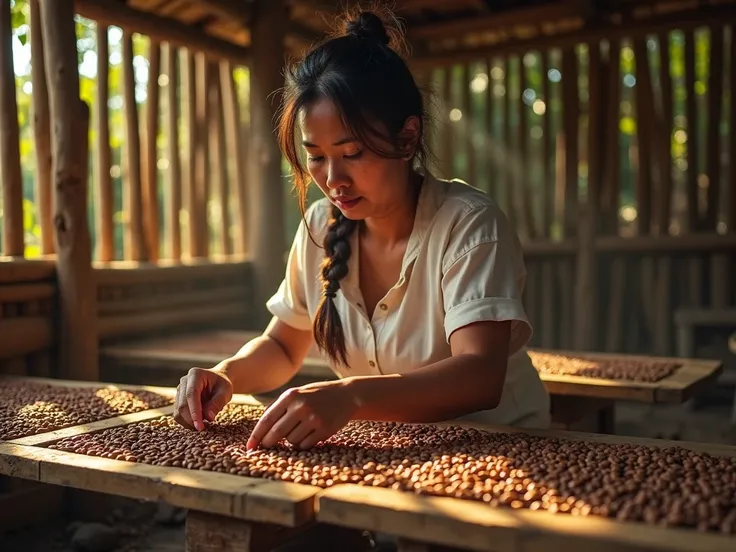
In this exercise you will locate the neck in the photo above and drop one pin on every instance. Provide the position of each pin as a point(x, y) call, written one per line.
point(396, 224)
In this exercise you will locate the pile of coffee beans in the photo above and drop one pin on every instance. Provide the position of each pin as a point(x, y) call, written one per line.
point(673, 486)
point(614, 368)
point(29, 408)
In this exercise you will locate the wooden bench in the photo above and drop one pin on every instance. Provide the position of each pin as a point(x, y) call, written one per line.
point(229, 512)
point(578, 402)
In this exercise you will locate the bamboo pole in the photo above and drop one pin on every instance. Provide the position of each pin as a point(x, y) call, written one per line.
point(41, 131)
point(691, 114)
point(150, 187)
point(645, 137)
point(220, 147)
point(467, 109)
point(571, 114)
point(13, 242)
point(491, 165)
point(548, 198)
point(611, 160)
point(731, 210)
point(238, 152)
point(447, 145)
point(105, 211)
point(174, 182)
point(522, 188)
point(202, 150)
point(506, 178)
point(137, 247)
point(664, 210)
point(77, 306)
point(189, 99)
point(267, 215)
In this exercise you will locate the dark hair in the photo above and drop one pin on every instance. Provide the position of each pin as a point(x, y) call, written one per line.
point(359, 68)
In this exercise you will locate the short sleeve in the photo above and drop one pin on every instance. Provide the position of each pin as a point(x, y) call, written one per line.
point(483, 276)
point(289, 303)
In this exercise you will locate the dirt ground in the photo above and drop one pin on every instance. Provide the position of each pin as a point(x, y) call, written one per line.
point(132, 526)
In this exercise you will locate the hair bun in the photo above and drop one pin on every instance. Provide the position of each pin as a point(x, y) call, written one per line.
point(368, 26)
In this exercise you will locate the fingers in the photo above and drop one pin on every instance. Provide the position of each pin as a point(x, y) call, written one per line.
point(272, 415)
point(300, 433)
point(220, 397)
point(181, 412)
point(194, 398)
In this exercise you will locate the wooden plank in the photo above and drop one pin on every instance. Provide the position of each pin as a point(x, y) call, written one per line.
point(25, 335)
point(474, 526)
point(14, 270)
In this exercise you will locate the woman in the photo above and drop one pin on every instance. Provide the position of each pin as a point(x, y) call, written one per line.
point(410, 285)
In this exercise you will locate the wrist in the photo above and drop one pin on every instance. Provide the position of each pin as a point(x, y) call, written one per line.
point(224, 369)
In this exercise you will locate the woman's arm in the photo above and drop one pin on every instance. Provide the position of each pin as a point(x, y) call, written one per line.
point(268, 361)
point(470, 380)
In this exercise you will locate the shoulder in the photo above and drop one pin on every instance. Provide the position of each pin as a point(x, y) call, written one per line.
point(315, 221)
point(466, 218)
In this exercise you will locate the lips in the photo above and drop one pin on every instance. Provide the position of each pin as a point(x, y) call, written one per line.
point(346, 203)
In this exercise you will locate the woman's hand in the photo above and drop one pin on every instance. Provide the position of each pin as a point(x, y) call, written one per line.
point(305, 415)
point(201, 393)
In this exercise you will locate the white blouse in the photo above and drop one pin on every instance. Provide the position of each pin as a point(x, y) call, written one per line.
point(463, 264)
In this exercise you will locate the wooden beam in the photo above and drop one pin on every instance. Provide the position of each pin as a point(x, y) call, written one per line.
point(268, 29)
point(77, 306)
point(684, 20)
point(104, 211)
point(500, 21)
point(12, 182)
point(160, 28)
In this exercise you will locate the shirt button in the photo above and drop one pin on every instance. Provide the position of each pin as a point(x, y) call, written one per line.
point(383, 306)
point(371, 364)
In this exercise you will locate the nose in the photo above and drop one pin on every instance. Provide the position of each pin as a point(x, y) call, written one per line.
point(337, 177)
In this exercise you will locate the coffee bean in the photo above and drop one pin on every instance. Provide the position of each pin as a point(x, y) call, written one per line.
point(626, 482)
point(29, 408)
point(613, 367)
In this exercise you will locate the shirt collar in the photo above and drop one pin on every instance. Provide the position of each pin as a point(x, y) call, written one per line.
point(430, 199)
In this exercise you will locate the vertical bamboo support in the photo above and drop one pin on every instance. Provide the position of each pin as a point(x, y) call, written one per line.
point(150, 188)
point(548, 198)
point(77, 306)
point(692, 134)
point(695, 272)
point(104, 210)
point(220, 147)
point(506, 181)
point(719, 277)
point(570, 102)
point(522, 188)
point(644, 113)
point(189, 92)
point(174, 182)
point(447, 146)
point(488, 154)
point(13, 242)
point(268, 29)
point(238, 152)
point(611, 161)
point(201, 189)
point(467, 109)
point(137, 247)
point(41, 131)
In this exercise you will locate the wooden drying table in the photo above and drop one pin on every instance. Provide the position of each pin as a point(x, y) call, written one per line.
point(422, 521)
point(225, 512)
point(581, 403)
point(233, 512)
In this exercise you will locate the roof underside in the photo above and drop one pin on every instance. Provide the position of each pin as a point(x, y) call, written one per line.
point(434, 27)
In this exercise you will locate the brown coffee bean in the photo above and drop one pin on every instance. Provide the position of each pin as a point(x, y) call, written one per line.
point(674, 487)
point(29, 408)
point(613, 367)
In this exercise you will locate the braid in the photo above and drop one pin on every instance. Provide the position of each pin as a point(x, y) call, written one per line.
point(328, 333)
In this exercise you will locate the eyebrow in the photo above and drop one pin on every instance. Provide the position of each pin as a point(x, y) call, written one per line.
point(340, 142)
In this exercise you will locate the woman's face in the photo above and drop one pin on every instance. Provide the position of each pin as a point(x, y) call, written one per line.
point(359, 182)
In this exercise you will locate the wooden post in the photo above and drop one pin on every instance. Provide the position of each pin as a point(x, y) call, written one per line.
point(78, 302)
point(239, 150)
point(13, 243)
point(173, 233)
point(41, 131)
point(268, 29)
point(150, 195)
point(136, 237)
point(571, 118)
point(104, 211)
point(223, 172)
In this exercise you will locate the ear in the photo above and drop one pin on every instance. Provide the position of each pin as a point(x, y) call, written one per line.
point(409, 137)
